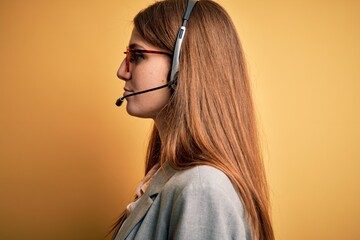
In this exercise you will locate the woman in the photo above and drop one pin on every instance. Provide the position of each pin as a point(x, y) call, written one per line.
point(204, 172)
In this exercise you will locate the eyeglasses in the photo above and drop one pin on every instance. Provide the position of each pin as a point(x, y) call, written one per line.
point(134, 55)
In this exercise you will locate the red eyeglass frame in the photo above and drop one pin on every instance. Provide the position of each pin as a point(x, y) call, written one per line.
point(130, 50)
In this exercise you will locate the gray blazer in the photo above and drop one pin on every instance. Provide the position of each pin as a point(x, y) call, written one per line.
point(198, 203)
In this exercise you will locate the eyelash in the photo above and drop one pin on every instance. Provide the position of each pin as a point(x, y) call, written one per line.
point(136, 57)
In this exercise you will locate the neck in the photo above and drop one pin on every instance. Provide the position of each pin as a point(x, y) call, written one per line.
point(160, 125)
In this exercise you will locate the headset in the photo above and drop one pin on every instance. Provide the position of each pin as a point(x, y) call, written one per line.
point(179, 40)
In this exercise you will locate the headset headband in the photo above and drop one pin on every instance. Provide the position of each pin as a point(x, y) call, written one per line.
point(179, 39)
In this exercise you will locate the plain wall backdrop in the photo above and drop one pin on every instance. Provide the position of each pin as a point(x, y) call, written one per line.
point(70, 160)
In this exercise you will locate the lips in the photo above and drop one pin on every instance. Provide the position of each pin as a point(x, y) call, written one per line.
point(127, 91)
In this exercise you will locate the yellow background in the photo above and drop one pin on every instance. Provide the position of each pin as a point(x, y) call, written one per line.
point(70, 160)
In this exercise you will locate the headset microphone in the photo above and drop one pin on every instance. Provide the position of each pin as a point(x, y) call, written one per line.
point(121, 100)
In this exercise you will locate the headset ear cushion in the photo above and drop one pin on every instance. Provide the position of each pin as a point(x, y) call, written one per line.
point(173, 83)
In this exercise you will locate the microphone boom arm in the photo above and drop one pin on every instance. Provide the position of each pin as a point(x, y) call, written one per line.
point(121, 100)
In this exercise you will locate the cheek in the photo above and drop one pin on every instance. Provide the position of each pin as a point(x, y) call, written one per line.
point(158, 76)
point(149, 77)
point(159, 71)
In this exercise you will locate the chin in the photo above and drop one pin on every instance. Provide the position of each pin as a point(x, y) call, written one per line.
point(139, 113)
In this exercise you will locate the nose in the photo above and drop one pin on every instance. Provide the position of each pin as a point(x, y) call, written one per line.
point(122, 73)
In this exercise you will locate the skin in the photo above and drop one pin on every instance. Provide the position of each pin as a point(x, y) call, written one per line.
point(145, 73)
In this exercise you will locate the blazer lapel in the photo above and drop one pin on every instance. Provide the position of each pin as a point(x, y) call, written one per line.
point(146, 200)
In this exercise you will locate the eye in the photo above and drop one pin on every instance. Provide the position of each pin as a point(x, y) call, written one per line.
point(135, 57)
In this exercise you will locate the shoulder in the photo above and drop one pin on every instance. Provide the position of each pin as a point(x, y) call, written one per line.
point(201, 177)
point(203, 182)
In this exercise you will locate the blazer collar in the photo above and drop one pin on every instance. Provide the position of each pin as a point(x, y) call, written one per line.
point(156, 185)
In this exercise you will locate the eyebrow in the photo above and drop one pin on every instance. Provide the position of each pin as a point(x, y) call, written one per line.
point(135, 45)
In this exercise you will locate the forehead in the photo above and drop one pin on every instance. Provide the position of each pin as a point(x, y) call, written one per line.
point(138, 42)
